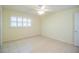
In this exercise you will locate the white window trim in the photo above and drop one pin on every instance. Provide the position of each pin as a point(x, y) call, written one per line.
point(17, 22)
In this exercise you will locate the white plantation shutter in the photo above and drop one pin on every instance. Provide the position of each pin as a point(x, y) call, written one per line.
point(20, 22)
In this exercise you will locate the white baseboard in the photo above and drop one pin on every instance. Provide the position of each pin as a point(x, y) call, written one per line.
point(57, 40)
point(21, 38)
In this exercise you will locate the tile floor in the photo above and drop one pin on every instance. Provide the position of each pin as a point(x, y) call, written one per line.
point(38, 45)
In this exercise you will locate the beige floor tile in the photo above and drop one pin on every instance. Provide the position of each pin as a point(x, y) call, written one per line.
point(38, 45)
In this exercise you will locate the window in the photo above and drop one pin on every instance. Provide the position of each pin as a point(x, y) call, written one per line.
point(29, 22)
point(20, 22)
point(13, 22)
point(25, 22)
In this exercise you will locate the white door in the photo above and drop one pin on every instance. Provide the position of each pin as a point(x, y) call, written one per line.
point(76, 30)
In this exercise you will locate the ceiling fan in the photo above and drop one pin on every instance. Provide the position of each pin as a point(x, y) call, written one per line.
point(41, 9)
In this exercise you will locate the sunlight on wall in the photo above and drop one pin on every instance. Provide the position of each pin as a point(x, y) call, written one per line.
point(11, 33)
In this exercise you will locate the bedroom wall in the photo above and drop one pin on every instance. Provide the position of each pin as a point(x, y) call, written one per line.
point(18, 33)
point(59, 25)
point(0, 26)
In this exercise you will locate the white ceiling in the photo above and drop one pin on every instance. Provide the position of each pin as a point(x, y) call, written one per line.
point(32, 8)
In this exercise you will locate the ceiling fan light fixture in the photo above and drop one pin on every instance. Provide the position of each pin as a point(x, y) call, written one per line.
point(41, 12)
point(42, 7)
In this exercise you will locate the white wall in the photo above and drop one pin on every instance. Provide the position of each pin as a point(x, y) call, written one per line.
point(0, 26)
point(59, 25)
point(19, 33)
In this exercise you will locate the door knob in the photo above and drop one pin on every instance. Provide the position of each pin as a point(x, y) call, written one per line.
point(75, 31)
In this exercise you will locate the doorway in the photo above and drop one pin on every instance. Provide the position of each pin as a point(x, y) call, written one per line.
point(76, 30)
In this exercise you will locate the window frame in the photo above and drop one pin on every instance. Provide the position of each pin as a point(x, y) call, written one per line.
point(22, 22)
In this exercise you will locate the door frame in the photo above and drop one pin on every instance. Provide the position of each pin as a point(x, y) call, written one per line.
point(74, 28)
